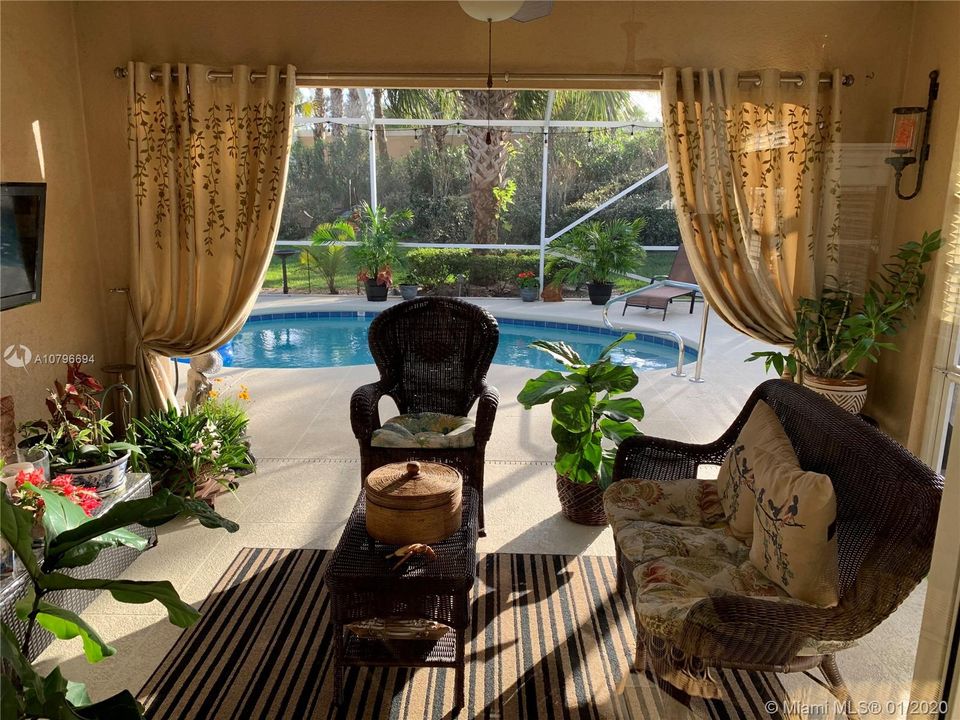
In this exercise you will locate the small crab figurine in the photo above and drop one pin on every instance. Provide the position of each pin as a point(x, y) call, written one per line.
point(408, 551)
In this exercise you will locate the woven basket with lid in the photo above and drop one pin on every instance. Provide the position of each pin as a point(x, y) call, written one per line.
point(413, 502)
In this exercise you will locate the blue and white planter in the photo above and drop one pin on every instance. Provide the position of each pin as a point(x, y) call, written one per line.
point(105, 479)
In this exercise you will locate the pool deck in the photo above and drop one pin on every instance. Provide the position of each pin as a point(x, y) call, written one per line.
point(308, 477)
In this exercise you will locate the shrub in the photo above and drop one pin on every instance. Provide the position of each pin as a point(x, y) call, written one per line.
point(435, 267)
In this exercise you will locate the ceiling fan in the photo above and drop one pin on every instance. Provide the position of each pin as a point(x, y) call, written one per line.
point(497, 10)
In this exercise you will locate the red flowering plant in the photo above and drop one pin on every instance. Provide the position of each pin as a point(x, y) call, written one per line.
point(29, 482)
point(528, 279)
point(77, 434)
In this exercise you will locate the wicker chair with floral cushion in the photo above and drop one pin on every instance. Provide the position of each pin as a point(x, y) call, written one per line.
point(701, 604)
point(433, 355)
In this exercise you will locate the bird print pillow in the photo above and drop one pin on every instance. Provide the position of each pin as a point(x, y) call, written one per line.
point(735, 483)
point(794, 530)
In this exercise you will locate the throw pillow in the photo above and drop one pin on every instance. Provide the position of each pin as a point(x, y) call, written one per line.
point(794, 530)
point(762, 431)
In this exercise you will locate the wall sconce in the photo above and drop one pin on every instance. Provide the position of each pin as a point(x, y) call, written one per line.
point(909, 142)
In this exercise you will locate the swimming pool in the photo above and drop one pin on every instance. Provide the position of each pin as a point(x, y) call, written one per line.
point(337, 339)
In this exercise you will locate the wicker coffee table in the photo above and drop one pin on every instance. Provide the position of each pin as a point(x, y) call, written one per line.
point(362, 586)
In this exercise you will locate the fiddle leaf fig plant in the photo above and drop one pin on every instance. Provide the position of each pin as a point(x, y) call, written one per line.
point(72, 539)
point(835, 334)
point(589, 419)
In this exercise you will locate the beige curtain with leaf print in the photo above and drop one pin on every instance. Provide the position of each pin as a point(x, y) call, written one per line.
point(208, 163)
point(755, 178)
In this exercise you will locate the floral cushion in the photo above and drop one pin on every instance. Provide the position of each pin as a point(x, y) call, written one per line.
point(735, 483)
point(675, 535)
point(675, 502)
point(425, 430)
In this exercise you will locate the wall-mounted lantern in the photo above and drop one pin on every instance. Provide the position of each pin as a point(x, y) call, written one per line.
point(910, 140)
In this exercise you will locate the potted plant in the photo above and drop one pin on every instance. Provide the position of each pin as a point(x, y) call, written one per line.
point(377, 235)
point(529, 286)
point(835, 333)
point(73, 540)
point(589, 422)
point(197, 454)
point(409, 286)
point(601, 251)
point(77, 436)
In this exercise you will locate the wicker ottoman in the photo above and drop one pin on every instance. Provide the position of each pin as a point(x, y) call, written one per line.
point(363, 585)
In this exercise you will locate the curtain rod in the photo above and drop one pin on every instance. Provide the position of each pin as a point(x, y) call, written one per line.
point(334, 79)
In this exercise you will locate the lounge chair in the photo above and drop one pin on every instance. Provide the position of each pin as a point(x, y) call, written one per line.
point(661, 296)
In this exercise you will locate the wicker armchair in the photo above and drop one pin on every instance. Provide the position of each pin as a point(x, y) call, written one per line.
point(887, 507)
point(433, 355)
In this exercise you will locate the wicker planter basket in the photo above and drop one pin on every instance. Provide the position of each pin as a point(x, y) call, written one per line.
point(581, 503)
point(850, 393)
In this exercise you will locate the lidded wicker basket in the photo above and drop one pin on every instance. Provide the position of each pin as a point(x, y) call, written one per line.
point(413, 502)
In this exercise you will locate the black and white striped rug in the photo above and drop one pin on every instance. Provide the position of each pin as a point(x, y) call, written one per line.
point(550, 639)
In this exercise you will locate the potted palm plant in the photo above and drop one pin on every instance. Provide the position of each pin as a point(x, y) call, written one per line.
point(589, 422)
point(78, 435)
point(601, 251)
point(377, 234)
point(835, 334)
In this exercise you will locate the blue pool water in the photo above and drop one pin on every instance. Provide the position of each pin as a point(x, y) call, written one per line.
point(325, 339)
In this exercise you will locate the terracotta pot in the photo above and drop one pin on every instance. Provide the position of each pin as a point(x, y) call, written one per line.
point(599, 292)
point(850, 393)
point(581, 502)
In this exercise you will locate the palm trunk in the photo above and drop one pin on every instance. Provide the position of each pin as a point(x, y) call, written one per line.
point(383, 153)
point(487, 160)
point(336, 109)
point(319, 110)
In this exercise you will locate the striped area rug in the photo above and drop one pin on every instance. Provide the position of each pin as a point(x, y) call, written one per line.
point(550, 639)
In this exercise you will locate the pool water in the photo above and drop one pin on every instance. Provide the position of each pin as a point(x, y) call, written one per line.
point(320, 340)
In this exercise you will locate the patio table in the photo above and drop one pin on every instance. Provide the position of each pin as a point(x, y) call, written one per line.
point(363, 585)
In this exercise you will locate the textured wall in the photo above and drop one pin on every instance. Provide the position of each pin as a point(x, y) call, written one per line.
point(901, 383)
point(40, 88)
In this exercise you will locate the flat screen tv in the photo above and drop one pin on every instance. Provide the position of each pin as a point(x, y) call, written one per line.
point(21, 242)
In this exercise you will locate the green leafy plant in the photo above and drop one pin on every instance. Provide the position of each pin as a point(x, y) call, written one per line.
point(196, 454)
point(328, 259)
point(603, 251)
point(834, 334)
point(377, 233)
point(77, 434)
point(74, 540)
point(589, 420)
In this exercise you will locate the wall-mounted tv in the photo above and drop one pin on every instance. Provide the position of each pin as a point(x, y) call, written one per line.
point(21, 242)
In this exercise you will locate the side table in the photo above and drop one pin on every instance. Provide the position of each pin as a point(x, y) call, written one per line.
point(363, 585)
point(109, 564)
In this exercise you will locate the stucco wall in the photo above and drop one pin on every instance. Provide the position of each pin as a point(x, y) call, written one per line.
point(901, 382)
point(40, 87)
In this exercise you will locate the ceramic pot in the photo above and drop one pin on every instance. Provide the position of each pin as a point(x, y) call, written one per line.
point(581, 503)
point(850, 393)
point(408, 292)
point(529, 294)
point(599, 292)
point(105, 479)
point(375, 292)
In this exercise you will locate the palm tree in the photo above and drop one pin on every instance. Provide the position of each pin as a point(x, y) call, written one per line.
point(488, 160)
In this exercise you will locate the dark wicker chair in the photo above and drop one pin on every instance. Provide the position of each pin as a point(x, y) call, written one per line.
point(433, 355)
point(887, 507)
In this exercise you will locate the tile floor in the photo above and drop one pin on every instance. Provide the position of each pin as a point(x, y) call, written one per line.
point(308, 475)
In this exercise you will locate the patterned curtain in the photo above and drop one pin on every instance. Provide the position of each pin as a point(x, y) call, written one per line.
point(209, 164)
point(755, 177)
